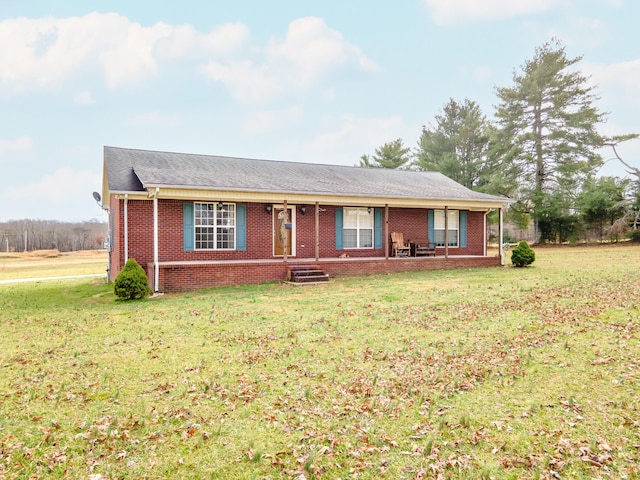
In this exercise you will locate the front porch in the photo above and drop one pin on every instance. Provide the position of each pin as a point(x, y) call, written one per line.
point(183, 275)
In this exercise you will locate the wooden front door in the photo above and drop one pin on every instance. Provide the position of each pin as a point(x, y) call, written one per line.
point(282, 231)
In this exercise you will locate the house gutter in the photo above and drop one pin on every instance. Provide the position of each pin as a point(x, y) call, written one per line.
point(126, 227)
point(156, 266)
point(501, 235)
point(485, 239)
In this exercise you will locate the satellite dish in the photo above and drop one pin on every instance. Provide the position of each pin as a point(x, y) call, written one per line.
point(97, 197)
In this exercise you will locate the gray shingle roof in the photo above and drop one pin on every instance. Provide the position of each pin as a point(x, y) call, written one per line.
point(130, 170)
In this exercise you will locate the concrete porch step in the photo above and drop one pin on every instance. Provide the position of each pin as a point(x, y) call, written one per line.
point(307, 274)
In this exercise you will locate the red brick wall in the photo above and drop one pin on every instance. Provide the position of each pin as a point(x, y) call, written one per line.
point(189, 277)
point(412, 222)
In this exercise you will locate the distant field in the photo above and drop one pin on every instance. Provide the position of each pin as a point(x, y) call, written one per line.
point(49, 263)
point(498, 373)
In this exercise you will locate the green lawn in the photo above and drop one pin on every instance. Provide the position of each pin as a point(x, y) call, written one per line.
point(51, 263)
point(482, 373)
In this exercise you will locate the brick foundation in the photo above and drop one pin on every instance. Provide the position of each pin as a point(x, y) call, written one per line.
point(174, 278)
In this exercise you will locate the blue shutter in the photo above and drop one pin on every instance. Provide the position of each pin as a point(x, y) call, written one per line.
point(431, 231)
point(339, 223)
point(377, 227)
point(241, 227)
point(188, 230)
point(463, 228)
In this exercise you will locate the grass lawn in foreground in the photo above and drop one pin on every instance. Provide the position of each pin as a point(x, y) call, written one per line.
point(481, 373)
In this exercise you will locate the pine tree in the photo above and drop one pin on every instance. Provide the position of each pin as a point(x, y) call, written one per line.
point(547, 128)
point(457, 144)
point(392, 155)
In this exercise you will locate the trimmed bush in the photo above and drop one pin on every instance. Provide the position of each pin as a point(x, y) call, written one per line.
point(132, 282)
point(523, 255)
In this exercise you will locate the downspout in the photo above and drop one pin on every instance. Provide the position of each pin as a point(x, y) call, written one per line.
point(126, 227)
point(156, 265)
point(484, 230)
point(317, 252)
point(500, 237)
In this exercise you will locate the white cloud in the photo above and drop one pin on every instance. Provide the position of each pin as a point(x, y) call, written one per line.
point(450, 12)
point(21, 144)
point(344, 140)
point(46, 52)
point(265, 121)
point(623, 74)
point(64, 186)
point(184, 41)
point(63, 195)
point(309, 51)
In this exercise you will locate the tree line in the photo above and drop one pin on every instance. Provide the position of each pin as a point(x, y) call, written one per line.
point(541, 149)
point(29, 235)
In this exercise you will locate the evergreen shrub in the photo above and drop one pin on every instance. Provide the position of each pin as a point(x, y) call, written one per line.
point(132, 282)
point(522, 255)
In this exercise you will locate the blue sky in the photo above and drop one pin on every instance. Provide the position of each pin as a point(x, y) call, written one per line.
point(314, 81)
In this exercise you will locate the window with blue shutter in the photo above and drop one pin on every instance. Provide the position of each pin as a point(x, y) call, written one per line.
point(378, 227)
point(339, 224)
point(241, 227)
point(463, 228)
point(188, 227)
point(431, 232)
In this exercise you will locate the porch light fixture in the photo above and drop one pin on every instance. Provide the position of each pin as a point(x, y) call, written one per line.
point(369, 210)
point(303, 209)
point(267, 208)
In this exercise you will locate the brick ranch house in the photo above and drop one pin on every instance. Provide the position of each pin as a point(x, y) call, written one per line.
point(196, 221)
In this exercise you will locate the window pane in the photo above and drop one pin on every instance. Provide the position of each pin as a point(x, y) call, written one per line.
point(453, 219)
point(350, 238)
point(366, 238)
point(350, 218)
point(453, 238)
point(365, 218)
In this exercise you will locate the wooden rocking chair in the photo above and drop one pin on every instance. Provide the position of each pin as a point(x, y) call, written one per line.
point(398, 247)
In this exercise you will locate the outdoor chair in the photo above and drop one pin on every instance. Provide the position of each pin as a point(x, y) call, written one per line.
point(426, 249)
point(398, 247)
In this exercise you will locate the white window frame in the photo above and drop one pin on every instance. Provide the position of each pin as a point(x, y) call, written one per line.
point(453, 236)
point(359, 226)
point(219, 228)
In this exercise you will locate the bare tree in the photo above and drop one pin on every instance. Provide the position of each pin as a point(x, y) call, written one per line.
point(631, 216)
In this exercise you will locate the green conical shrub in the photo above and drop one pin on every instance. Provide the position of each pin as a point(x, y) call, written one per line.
point(132, 282)
point(522, 255)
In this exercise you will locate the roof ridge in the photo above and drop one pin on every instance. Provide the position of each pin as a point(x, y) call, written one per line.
point(295, 162)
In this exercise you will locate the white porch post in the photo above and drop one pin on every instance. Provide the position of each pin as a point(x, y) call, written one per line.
point(156, 272)
point(500, 235)
point(484, 233)
point(317, 249)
